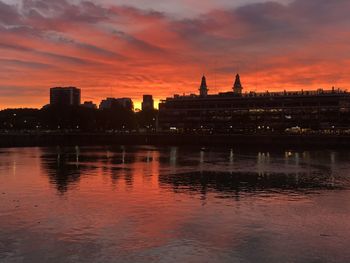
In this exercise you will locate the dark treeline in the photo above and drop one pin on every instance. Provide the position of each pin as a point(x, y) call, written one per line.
point(77, 118)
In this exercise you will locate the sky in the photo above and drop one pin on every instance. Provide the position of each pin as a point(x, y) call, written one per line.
point(127, 48)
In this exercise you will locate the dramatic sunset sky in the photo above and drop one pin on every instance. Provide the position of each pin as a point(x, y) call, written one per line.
point(125, 48)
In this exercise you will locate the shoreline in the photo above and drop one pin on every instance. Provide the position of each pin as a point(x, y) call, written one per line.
point(251, 141)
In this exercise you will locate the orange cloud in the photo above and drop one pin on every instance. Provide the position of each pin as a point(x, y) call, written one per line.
point(128, 51)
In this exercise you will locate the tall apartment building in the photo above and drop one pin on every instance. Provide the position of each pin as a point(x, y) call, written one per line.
point(65, 96)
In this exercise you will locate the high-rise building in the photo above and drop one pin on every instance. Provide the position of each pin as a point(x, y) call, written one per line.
point(67, 96)
point(110, 103)
point(147, 102)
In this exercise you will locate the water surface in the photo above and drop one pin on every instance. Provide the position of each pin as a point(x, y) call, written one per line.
point(148, 204)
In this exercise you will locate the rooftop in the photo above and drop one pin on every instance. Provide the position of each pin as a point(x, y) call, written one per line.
point(252, 94)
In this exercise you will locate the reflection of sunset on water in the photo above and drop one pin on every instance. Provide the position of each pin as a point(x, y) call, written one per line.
point(187, 204)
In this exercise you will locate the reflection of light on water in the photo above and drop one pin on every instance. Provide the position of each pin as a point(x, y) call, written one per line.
point(155, 166)
point(173, 156)
point(14, 167)
point(77, 153)
point(165, 213)
point(306, 159)
point(333, 168)
point(297, 159)
point(231, 157)
point(287, 155)
point(306, 156)
point(58, 151)
point(297, 166)
point(259, 163)
point(123, 156)
point(201, 157)
point(263, 160)
point(292, 161)
point(332, 158)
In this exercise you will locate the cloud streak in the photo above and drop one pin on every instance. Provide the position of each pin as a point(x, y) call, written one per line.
point(100, 46)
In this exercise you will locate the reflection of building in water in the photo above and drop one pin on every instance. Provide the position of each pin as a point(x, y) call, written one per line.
point(65, 166)
point(140, 166)
point(117, 165)
point(128, 165)
point(326, 111)
point(203, 181)
point(61, 168)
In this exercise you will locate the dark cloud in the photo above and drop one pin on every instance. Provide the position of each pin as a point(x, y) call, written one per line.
point(70, 60)
point(266, 24)
point(137, 43)
point(62, 10)
point(268, 20)
point(61, 39)
point(8, 14)
point(259, 33)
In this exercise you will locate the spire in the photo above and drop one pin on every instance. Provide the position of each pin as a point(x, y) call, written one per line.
point(203, 90)
point(237, 87)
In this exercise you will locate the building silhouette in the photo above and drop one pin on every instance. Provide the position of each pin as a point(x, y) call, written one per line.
point(65, 96)
point(110, 103)
point(325, 111)
point(147, 103)
point(203, 89)
point(89, 104)
point(237, 86)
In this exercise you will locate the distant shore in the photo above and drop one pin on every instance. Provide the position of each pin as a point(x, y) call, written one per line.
point(255, 140)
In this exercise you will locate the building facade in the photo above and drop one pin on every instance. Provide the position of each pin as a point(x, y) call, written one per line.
point(321, 111)
point(65, 96)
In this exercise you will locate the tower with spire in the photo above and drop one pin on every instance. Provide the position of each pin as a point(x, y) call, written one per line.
point(237, 87)
point(203, 89)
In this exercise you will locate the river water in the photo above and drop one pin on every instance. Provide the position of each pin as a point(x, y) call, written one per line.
point(173, 204)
